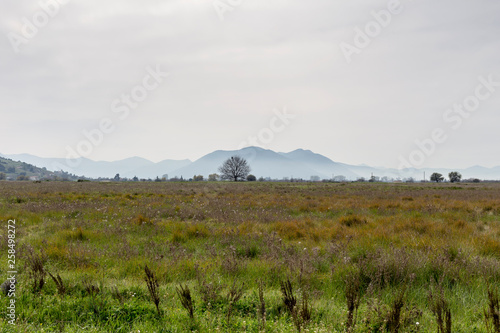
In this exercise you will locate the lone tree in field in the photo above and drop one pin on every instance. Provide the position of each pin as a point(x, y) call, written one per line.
point(455, 177)
point(437, 177)
point(234, 168)
point(251, 178)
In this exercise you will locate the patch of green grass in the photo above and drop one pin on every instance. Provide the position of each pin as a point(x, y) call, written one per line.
point(313, 234)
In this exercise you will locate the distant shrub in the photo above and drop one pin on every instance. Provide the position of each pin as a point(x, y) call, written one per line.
point(250, 251)
point(17, 200)
point(77, 235)
point(56, 252)
point(197, 230)
point(251, 178)
point(178, 236)
point(183, 234)
point(490, 247)
point(141, 220)
point(352, 220)
point(290, 229)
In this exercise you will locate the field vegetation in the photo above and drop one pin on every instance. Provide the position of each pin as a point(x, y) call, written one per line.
point(252, 257)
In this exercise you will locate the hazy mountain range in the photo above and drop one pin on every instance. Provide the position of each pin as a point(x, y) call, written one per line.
point(299, 163)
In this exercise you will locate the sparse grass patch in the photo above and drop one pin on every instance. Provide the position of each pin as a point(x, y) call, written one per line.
point(142, 220)
point(75, 235)
point(352, 220)
point(290, 229)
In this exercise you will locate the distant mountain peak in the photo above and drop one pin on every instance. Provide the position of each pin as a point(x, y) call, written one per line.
point(303, 150)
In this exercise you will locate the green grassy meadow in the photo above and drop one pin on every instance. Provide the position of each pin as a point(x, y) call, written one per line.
point(378, 248)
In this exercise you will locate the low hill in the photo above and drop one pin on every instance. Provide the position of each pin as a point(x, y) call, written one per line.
point(17, 170)
point(129, 167)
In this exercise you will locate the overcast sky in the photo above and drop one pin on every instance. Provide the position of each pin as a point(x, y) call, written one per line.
point(233, 67)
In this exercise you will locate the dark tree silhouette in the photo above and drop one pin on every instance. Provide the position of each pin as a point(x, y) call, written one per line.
point(437, 177)
point(455, 177)
point(251, 178)
point(234, 168)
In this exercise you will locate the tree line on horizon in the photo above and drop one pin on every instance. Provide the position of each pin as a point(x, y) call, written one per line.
point(234, 168)
point(237, 168)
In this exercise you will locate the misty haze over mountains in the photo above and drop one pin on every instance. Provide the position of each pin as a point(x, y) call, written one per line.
point(264, 163)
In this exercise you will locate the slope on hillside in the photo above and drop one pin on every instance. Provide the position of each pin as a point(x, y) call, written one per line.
point(17, 170)
point(129, 167)
point(323, 165)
